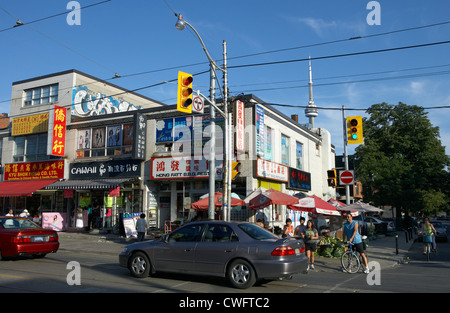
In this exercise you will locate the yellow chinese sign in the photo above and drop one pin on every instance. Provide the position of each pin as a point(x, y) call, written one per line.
point(30, 124)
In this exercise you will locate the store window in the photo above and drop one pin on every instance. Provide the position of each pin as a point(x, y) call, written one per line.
point(105, 141)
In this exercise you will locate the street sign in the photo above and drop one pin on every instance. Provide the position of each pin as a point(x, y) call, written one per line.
point(346, 177)
point(197, 105)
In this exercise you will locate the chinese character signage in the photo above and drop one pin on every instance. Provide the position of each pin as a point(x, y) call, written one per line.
point(299, 180)
point(180, 168)
point(107, 169)
point(57, 132)
point(271, 170)
point(30, 124)
point(259, 121)
point(240, 125)
point(34, 170)
point(140, 133)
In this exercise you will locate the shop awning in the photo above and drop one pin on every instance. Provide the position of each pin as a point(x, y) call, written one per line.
point(88, 184)
point(23, 188)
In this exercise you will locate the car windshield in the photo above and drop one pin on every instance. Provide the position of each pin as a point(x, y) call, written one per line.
point(16, 223)
point(257, 232)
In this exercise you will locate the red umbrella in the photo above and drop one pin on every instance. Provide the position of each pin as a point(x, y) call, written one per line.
point(270, 197)
point(203, 204)
point(314, 204)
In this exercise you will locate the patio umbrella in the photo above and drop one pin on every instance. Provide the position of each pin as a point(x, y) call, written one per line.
point(360, 207)
point(338, 203)
point(254, 193)
point(316, 205)
point(270, 197)
point(203, 204)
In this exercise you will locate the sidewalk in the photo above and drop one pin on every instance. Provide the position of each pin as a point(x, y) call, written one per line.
point(381, 250)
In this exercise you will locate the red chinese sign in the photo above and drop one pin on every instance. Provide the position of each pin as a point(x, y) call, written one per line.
point(57, 132)
point(34, 170)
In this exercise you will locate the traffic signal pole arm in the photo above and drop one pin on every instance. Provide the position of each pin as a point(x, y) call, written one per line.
point(211, 103)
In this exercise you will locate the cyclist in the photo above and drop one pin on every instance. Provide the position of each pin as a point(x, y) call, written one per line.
point(428, 230)
point(352, 234)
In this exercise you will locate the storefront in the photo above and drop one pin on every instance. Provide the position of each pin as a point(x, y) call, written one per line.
point(102, 190)
point(23, 186)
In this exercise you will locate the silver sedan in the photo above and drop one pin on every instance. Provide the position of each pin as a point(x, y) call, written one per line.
point(242, 252)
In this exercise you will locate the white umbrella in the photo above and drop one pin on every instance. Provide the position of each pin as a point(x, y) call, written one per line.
point(359, 206)
point(254, 193)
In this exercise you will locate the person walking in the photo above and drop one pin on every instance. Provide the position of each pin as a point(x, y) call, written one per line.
point(311, 238)
point(351, 231)
point(300, 229)
point(141, 227)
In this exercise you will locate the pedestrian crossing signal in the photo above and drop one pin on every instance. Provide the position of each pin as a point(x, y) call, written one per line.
point(332, 178)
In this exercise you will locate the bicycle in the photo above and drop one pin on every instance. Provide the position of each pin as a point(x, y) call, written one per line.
point(427, 240)
point(351, 260)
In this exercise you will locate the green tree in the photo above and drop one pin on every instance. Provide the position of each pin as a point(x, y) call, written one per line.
point(402, 161)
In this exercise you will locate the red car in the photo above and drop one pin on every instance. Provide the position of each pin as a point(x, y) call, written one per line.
point(20, 236)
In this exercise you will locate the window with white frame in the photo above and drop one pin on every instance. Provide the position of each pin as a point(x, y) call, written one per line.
point(41, 95)
point(284, 150)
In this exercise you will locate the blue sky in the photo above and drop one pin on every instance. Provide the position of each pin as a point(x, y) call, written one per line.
point(135, 36)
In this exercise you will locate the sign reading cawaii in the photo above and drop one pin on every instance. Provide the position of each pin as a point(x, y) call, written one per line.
point(89, 103)
point(108, 169)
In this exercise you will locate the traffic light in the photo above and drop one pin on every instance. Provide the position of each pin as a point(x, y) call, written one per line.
point(234, 169)
point(354, 130)
point(332, 178)
point(184, 94)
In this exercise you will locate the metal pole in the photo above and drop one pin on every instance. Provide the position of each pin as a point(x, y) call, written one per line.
point(212, 147)
point(226, 156)
point(344, 123)
point(229, 130)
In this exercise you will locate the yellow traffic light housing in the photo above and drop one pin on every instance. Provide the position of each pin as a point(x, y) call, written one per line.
point(234, 169)
point(354, 130)
point(332, 178)
point(184, 94)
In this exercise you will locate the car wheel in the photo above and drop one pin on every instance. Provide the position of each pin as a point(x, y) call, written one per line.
point(241, 274)
point(139, 265)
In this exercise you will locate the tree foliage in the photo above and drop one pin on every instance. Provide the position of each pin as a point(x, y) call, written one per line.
point(402, 161)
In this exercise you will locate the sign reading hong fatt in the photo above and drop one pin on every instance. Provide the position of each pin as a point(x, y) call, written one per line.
point(179, 168)
point(34, 170)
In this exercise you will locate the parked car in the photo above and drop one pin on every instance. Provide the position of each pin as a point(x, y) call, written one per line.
point(377, 223)
point(441, 234)
point(375, 220)
point(242, 252)
point(20, 236)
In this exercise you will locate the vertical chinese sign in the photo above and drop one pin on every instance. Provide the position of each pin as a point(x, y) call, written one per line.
point(57, 132)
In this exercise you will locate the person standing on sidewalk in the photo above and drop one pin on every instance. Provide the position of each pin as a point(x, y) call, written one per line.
point(351, 230)
point(141, 227)
point(311, 238)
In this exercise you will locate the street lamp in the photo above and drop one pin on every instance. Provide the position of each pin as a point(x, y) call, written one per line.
point(181, 25)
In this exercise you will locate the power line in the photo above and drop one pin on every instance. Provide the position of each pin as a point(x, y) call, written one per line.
point(48, 17)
